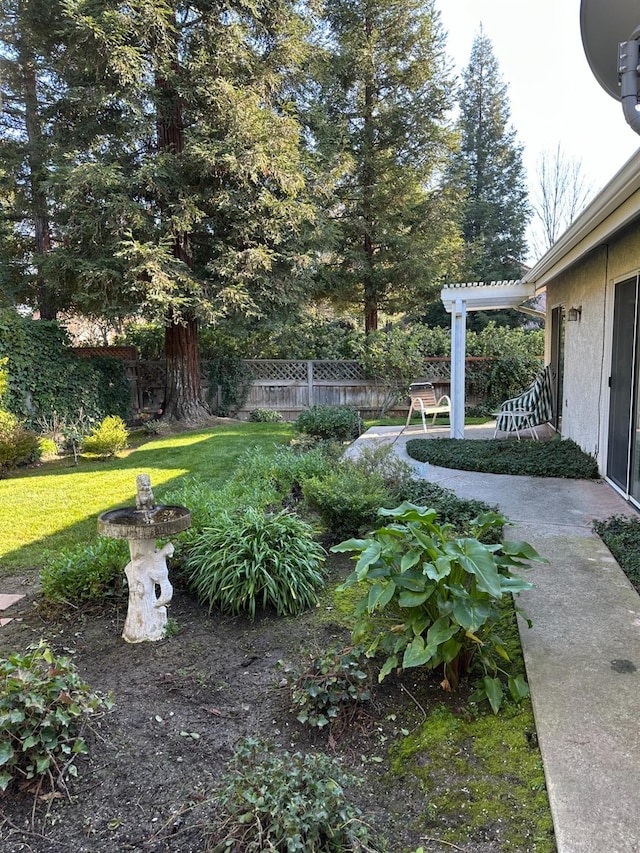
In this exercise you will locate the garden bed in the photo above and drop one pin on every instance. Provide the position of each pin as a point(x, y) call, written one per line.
point(434, 774)
point(531, 458)
point(437, 771)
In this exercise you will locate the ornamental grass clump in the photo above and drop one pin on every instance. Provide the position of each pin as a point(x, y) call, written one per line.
point(435, 601)
point(288, 803)
point(44, 708)
point(252, 558)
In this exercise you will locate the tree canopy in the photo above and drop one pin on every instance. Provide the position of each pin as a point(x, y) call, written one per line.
point(379, 127)
point(191, 164)
point(490, 172)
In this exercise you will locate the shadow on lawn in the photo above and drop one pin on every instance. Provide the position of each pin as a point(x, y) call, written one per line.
point(211, 454)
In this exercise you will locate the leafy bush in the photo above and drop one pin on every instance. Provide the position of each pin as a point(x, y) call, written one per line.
point(86, 572)
point(621, 535)
point(554, 458)
point(330, 684)
point(460, 513)
point(266, 416)
point(433, 601)
point(18, 446)
point(48, 447)
point(289, 803)
point(4, 379)
point(44, 707)
point(381, 460)
point(252, 558)
point(336, 423)
point(347, 501)
point(147, 338)
point(107, 438)
point(504, 377)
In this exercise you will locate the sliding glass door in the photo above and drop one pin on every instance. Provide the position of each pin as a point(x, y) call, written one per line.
point(623, 448)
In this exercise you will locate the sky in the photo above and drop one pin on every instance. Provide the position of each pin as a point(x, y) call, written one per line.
point(553, 94)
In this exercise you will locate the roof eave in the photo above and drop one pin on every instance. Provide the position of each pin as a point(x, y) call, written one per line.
point(617, 205)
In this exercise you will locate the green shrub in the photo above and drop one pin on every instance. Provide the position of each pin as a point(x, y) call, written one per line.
point(4, 380)
point(434, 601)
point(289, 803)
point(107, 438)
point(18, 446)
point(266, 416)
point(460, 513)
point(329, 686)
point(254, 558)
point(347, 501)
point(554, 458)
point(621, 535)
point(329, 423)
point(381, 460)
point(286, 469)
point(44, 707)
point(86, 572)
point(48, 447)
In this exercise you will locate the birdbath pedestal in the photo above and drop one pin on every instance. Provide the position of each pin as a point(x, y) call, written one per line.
point(150, 590)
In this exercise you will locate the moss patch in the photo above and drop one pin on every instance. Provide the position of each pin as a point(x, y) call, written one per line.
point(481, 778)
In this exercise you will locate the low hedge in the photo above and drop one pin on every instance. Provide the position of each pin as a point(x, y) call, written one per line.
point(554, 458)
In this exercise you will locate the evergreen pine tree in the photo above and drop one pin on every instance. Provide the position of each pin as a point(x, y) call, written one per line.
point(379, 132)
point(490, 172)
point(29, 36)
point(185, 204)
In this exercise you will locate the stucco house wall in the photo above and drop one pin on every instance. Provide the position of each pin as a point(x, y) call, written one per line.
point(582, 269)
point(583, 286)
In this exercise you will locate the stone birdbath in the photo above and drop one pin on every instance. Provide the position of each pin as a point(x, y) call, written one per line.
point(149, 588)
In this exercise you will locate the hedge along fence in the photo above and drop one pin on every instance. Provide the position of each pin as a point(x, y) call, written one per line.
point(291, 386)
point(45, 376)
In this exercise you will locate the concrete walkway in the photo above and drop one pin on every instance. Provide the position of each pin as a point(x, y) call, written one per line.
point(582, 654)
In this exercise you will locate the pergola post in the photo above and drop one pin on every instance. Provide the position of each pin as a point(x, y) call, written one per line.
point(458, 352)
point(474, 296)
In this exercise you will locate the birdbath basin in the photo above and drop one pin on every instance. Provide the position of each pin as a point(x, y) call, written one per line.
point(156, 523)
point(150, 591)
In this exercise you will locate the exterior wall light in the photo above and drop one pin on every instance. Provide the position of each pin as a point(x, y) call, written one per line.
point(574, 314)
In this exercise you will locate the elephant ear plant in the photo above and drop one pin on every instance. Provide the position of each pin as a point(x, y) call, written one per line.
point(432, 600)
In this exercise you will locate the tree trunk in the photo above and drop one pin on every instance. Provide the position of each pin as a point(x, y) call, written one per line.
point(368, 185)
point(183, 394)
point(37, 176)
point(183, 391)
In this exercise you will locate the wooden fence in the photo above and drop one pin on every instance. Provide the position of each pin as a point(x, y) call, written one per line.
point(292, 386)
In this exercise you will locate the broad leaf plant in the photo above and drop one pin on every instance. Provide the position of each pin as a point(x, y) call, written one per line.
point(435, 601)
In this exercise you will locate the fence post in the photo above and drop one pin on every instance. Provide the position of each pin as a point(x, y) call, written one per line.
point(310, 381)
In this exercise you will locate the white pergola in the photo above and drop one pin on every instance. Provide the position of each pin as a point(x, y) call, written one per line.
point(458, 299)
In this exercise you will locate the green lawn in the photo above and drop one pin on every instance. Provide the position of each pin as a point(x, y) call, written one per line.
point(56, 505)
